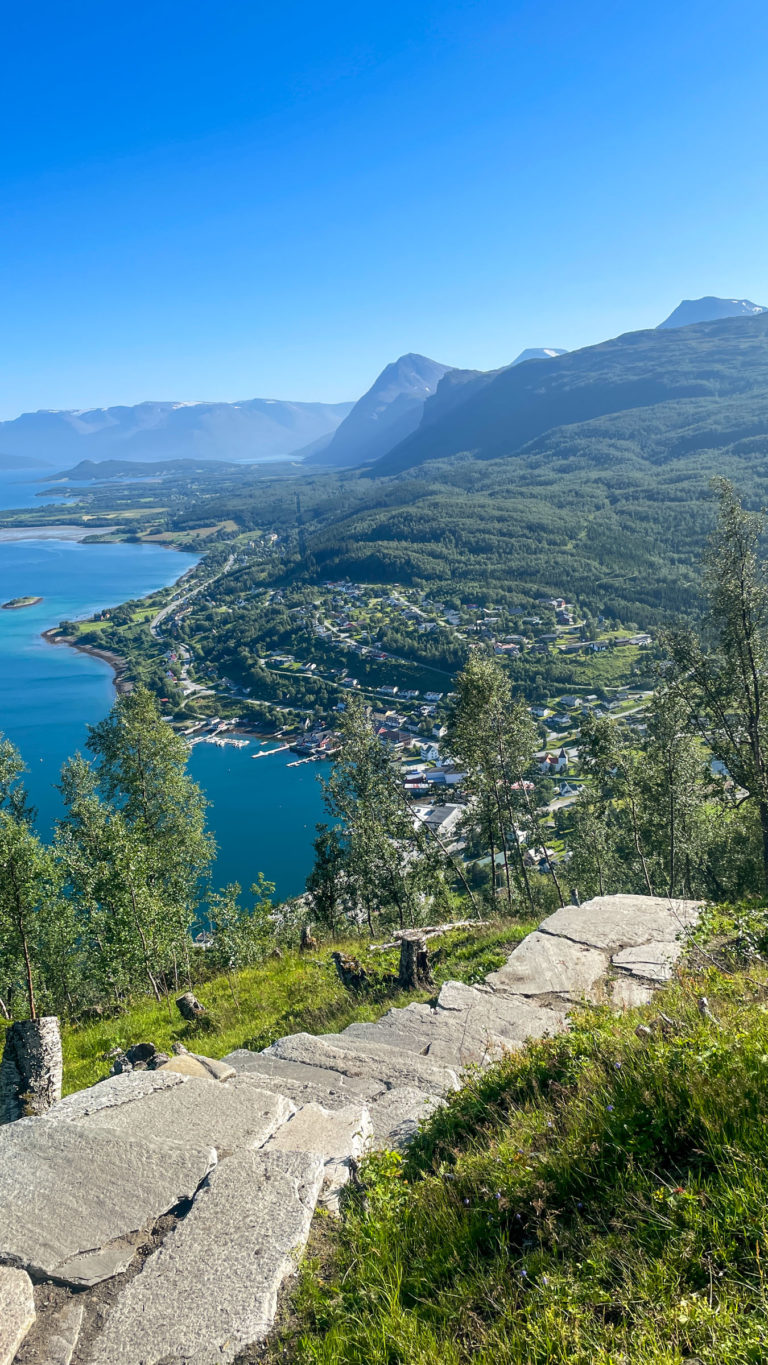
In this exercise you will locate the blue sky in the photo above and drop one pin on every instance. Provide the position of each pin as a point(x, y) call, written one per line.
point(229, 200)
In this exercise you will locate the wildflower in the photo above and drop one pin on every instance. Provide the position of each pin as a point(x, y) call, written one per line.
point(523, 1274)
point(545, 1279)
point(617, 1065)
point(466, 1203)
point(610, 1108)
point(498, 1194)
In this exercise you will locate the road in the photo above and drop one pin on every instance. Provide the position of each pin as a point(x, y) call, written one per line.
point(176, 602)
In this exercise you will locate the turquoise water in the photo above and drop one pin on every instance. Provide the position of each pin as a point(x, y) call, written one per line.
point(262, 813)
point(49, 694)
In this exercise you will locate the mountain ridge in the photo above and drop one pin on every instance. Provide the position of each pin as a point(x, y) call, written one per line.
point(255, 428)
point(385, 415)
point(637, 369)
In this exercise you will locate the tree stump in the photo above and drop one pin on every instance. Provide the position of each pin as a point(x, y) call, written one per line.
point(352, 973)
point(30, 1072)
point(414, 973)
point(189, 1007)
point(308, 942)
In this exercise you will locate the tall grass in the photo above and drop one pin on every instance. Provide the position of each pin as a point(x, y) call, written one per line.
point(597, 1199)
point(288, 994)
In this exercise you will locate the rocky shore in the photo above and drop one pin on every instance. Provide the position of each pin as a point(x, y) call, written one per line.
point(117, 662)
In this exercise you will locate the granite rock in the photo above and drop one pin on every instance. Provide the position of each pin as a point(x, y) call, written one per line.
point(338, 1136)
point(616, 922)
point(547, 965)
point(115, 1090)
point(211, 1289)
point(201, 1113)
point(71, 1197)
point(17, 1311)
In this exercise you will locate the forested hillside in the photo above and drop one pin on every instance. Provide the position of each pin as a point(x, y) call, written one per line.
point(711, 361)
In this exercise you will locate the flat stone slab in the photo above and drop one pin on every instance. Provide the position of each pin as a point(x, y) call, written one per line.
point(211, 1289)
point(397, 1114)
point(544, 965)
point(185, 1065)
point(353, 1058)
point(335, 1135)
point(122, 1089)
point(17, 1311)
point(305, 1084)
point(442, 1039)
point(218, 1070)
point(510, 1017)
point(71, 1196)
point(615, 922)
point(653, 961)
point(201, 1113)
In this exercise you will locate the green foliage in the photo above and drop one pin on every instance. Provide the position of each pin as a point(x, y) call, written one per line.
point(286, 993)
point(594, 1199)
point(32, 916)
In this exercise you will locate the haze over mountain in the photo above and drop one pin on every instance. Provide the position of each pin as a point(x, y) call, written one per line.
point(256, 429)
point(709, 309)
point(708, 364)
point(390, 410)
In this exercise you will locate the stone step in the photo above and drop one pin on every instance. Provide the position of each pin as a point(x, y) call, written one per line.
point(616, 922)
point(357, 1059)
point(211, 1289)
point(115, 1090)
point(305, 1084)
point(441, 1040)
point(543, 964)
point(396, 1115)
point(17, 1311)
point(513, 1018)
point(338, 1136)
point(201, 1113)
point(72, 1197)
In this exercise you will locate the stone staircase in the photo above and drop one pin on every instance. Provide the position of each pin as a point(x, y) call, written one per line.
point(155, 1216)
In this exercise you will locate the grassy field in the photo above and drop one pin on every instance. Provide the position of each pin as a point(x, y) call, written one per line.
point(599, 1199)
point(291, 994)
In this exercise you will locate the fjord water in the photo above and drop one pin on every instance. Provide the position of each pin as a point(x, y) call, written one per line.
point(49, 694)
point(262, 813)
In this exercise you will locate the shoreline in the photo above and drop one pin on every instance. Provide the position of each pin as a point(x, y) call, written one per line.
point(117, 662)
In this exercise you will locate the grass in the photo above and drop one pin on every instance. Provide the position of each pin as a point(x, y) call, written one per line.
point(597, 1199)
point(291, 994)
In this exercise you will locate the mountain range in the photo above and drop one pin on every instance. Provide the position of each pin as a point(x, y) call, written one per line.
point(256, 429)
point(417, 409)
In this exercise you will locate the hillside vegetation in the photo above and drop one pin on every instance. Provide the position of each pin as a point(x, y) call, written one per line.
point(597, 1199)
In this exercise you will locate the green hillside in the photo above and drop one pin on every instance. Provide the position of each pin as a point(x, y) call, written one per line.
point(709, 362)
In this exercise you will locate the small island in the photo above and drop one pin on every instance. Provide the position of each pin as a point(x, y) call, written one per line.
point(16, 603)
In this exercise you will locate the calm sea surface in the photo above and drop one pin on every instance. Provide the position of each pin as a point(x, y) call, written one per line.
point(263, 813)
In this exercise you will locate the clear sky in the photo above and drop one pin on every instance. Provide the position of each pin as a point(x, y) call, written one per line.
point(230, 199)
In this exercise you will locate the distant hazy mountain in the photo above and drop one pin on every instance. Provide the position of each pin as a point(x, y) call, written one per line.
point(709, 309)
point(13, 462)
point(390, 410)
point(254, 429)
point(538, 353)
